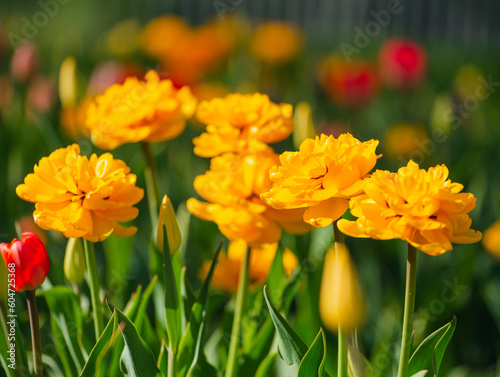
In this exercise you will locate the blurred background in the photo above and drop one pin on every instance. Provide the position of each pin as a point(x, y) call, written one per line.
point(420, 76)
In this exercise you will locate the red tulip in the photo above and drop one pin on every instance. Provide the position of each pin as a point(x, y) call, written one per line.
point(27, 260)
point(351, 85)
point(402, 63)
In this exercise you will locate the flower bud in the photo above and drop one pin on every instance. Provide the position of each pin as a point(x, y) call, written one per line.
point(304, 127)
point(74, 261)
point(491, 239)
point(167, 218)
point(341, 302)
point(27, 260)
point(24, 63)
point(67, 82)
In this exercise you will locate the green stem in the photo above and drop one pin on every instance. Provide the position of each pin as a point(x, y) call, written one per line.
point(36, 341)
point(153, 200)
point(411, 275)
point(241, 295)
point(342, 362)
point(94, 288)
point(151, 184)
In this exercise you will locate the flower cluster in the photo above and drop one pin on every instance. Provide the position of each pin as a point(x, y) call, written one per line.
point(150, 110)
point(240, 122)
point(232, 189)
point(421, 207)
point(80, 196)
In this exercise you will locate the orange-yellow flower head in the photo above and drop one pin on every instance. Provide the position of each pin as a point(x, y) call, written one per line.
point(227, 271)
point(150, 110)
point(321, 177)
point(232, 189)
point(421, 207)
point(276, 43)
point(82, 197)
point(241, 122)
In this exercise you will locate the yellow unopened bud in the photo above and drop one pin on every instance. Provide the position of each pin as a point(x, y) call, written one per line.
point(341, 302)
point(67, 82)
point(74, 261)
point(304, 127)
point(167, 218)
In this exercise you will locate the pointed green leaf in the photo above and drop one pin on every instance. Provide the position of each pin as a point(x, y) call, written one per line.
point(65, 310)
point(291, 348)
point(190, 349)
point(429, 353)
point(313, 363)
point(92, 366)
point(138, 358)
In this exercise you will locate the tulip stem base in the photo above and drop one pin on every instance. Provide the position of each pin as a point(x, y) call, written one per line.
point(94, 288)
point(411, 278)
point(36, 342)
point(241, 295)
point(342, 358)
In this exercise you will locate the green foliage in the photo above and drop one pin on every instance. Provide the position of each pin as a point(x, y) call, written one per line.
point(430, 352)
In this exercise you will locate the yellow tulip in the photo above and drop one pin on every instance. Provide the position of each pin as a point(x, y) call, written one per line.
point(341, 302)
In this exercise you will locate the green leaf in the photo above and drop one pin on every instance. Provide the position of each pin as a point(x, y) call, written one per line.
point(118, 252)
point(141, 311)
point(65, 311)
point(138, 358)
point(430, 352)
point(291, 348)
point(172, 307)
point(276, 278)
point(190, 350)
point(92, 367)
point(188, 298)
point(265, 366)
point(4, 347)
point(313, 363)
point(163, 358)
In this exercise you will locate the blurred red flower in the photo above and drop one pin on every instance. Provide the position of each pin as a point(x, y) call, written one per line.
point(402, 63)
point(351, 84)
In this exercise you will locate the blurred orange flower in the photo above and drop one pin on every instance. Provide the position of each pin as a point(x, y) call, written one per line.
point(186, 53)
point(150, 110)
point(321, 177)
point(82, 197)
point(404, 138)
point(402, 63)
point(421, 207)
point(491, 239)
point(232, 188)
point(276, 42)
point(351, 85)
point(241, 122)
point(227, 271)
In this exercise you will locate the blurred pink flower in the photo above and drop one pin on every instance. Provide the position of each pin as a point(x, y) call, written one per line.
point(41, 95)
point(25, 61)
point(109, 73)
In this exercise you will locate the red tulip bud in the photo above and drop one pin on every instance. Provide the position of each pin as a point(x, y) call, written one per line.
point(27, 260)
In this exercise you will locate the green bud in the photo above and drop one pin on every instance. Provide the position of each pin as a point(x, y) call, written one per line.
point(74, 261)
